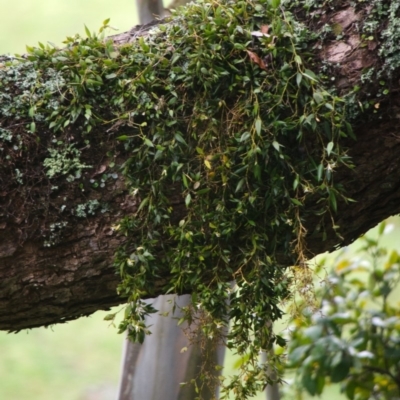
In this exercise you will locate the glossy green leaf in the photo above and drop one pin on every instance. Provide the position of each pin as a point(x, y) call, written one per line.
point(329, 148)
point(298, 354)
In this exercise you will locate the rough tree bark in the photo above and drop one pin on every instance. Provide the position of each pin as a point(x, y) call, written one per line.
point(44, 285)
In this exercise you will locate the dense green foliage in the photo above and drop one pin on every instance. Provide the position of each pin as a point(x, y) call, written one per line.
point(236, 124)
point(353, 337)
point(221, 110)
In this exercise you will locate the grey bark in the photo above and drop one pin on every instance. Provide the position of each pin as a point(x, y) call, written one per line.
point(271, 391)
point(155, 369)
point(148, 10)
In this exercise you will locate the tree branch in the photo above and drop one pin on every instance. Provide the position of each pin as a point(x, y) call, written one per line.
point(75, 276)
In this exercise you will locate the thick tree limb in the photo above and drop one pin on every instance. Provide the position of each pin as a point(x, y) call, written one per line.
point(75, 276)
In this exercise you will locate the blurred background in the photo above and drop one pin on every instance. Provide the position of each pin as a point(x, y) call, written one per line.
point(79, 360)
point(29, 22)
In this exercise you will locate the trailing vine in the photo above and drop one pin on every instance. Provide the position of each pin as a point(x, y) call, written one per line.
point(231, 120)
point(227, 135)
